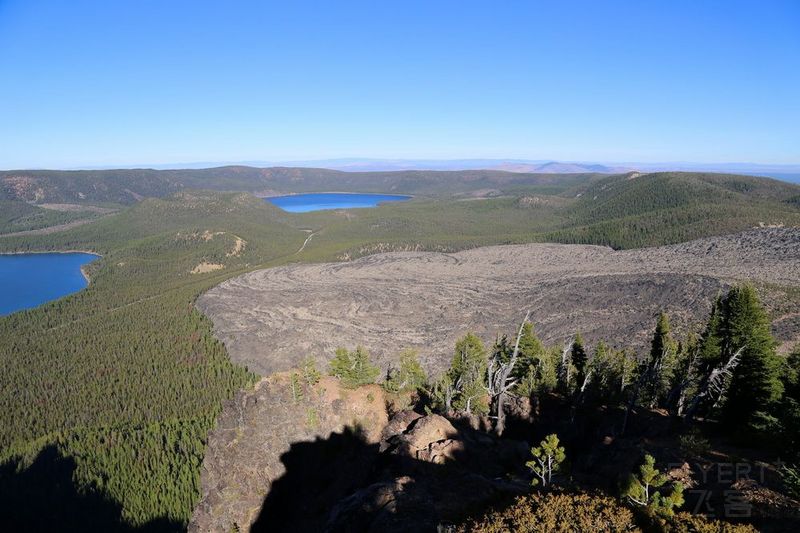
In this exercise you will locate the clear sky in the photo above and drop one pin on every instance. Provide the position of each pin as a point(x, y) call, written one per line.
point(133, 82)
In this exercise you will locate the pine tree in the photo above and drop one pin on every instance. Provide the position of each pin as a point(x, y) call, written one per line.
point(537, 367)
point(310, 373)
point(661, 365)
point(579, 359)
point(645, 489)
point(755, 383)
point(409, 376)
point(788, 411)
point(502, 349)
point(547, 458)
point(710, 350)
point(353, 368)
point(468, 375)
point(612, 372)
point(530, 352)
point(684, 378)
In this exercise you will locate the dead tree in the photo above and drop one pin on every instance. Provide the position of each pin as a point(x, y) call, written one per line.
point(634, 398)
point(646, 379)
point(564, 367)
point(654, 377)
point(581, 393)
point(714, 386)
point(678, 393)
point(500, 379)
point(450, 390)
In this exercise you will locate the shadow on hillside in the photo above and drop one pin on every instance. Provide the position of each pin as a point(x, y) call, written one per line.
point(343, 483)
point(43, 497)
point(318, 474)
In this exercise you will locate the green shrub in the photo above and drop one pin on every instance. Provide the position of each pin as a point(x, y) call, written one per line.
point(310, 373)
point(790, 475)
point(647, 489)
point(353, 368)
point(557, 513)
point(409, 376)
point(693, 523)
point(547, 458)
point(694, 444)
point(312, 418)
point(297, 388)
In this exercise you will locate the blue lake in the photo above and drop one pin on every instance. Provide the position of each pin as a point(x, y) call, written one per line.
point(303, 203)
point(29, 280)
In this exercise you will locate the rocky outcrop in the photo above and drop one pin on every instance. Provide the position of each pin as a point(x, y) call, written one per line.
point(291, 456)
point(431, 439)
point(434, 471)
point(257, 430)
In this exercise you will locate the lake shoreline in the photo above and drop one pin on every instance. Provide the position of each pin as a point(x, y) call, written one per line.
point(54, 252)
point(324, 201)
point(32, 279)
point(83, 272)
point(409, 196)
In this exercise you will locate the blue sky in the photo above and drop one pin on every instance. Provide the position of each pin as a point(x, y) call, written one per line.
point(119, 83)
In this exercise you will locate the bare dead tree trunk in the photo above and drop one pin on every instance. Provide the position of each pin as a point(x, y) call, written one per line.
point(680, 389)
point(654, 377)
point(449, 393)
point(581, 394)
point(634, 398)
point(647, 379)
point(715, 384)
point(500, 382)
point(563, 367)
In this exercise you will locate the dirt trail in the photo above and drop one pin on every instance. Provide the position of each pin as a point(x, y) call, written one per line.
point(305, 242)
point(271, 319)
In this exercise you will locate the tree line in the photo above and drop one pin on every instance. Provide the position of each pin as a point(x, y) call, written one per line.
point(729, 372)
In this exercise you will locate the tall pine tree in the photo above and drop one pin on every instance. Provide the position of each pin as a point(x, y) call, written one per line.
point(468, 372)
point(755, 384)
point(579, 359)
point(710, 349)
point(661, 366)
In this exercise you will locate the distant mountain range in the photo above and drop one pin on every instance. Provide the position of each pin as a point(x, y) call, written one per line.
point(786, 172)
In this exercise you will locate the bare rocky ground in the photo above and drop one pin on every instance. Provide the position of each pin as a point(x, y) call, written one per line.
point(319, 457)
point(249, 450)
point(270, 320)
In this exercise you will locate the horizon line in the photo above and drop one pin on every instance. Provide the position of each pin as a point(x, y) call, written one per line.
point(416, 162)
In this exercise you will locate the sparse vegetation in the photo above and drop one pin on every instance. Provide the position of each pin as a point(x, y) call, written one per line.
point(312, 418)
point(647, 488)
point(408, 375)
point(547, 458)
point(310, 373)
point(790, 474)
point(556, 512)
point(353, 368)
point(694, 444)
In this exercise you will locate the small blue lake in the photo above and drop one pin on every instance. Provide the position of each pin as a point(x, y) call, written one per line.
point(303, 203)
point(29, 280)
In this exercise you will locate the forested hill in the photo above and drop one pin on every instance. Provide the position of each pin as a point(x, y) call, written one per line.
point(126, 186)
point(623, 211)
point(634, 193)
point(633, 210)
